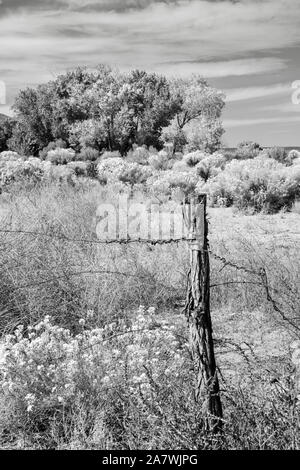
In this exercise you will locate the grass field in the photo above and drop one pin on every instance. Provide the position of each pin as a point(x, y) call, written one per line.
point(255, 318)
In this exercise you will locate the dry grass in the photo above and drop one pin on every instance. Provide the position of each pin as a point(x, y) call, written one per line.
point(47, 275)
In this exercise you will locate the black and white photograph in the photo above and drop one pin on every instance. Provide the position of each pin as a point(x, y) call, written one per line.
point(149, 228)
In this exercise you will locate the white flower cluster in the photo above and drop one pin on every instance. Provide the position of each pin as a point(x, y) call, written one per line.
point(46, 367)
point(18, 169)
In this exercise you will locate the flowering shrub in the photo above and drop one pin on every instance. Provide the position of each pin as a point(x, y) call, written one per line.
point(258, 184)
point(293, 157)
point(32, 170)
point(60, 156)
point(105, 155)
point(59, 143)
point(181, 166)
point(117, 169)
point(9, 156)
point(88, 154)
point(85, 168)
point(210, 166)
point(246, 150)
point(191, 159)
point(279, 154)
point(133, 173)
point(46, 369)
point(61, 174)
point(138, 155)
point(161, 161)
point(165, 182)
point(110, 169)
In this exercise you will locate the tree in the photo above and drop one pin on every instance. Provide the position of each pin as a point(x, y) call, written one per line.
point(174, 135)
point(23, 140)
point(153, 106)
point(6, 129)
point(198, 112)
point(204, 134)
point(109, 110)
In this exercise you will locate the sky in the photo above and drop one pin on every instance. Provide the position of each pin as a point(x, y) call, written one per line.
point(250, 49)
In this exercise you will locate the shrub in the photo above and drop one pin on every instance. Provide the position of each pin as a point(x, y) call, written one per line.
point(115, 154)
point(31, 171)
point(85, 168)
point(210, 166)
point(247, 149)
point(46, 371)
point(60, 156)
point(279, 154)
point(88, 154)
point(167, 181)
point(133, 173)
point(138, 155)
point(59, 143)
point(181, 166)
point(9, 156)
point(61, 174)
point(296, 162)
point(110, 168)
point(161, 161)
point(293, 157)
point(258, 184)
point(193, 158)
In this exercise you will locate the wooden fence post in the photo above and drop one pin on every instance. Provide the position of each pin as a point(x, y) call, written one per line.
point(197, 309)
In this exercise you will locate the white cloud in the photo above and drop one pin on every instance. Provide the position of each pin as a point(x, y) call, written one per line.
point(165, 37)
point(240, 94)
point(214, 38)
point(239, 67)
point(253, 122)
point(287, 107)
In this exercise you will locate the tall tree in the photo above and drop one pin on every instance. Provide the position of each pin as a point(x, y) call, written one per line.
point(116, 109)
point(199, 107)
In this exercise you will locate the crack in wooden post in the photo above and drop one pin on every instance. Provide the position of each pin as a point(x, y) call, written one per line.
point(197, 310)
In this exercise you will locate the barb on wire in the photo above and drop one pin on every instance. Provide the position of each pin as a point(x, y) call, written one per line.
point(121, 241)
point(231, 264)
point(260, 273)
point(273, 302)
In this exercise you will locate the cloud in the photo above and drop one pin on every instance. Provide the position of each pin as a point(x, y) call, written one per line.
point(188, 36)
point(258, 121)
point(250, 93)
point(240, 45)
point(93, 5)
point(230, 68)
point(286, 107)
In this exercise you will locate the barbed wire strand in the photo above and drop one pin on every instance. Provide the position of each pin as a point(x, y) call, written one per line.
point(261, 273)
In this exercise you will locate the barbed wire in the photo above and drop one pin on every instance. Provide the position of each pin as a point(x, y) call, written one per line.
point(261, 273)
point(128, 240)
point(120, 241)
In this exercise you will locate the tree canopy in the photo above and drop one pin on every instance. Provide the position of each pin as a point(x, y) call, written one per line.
point(109, 110)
